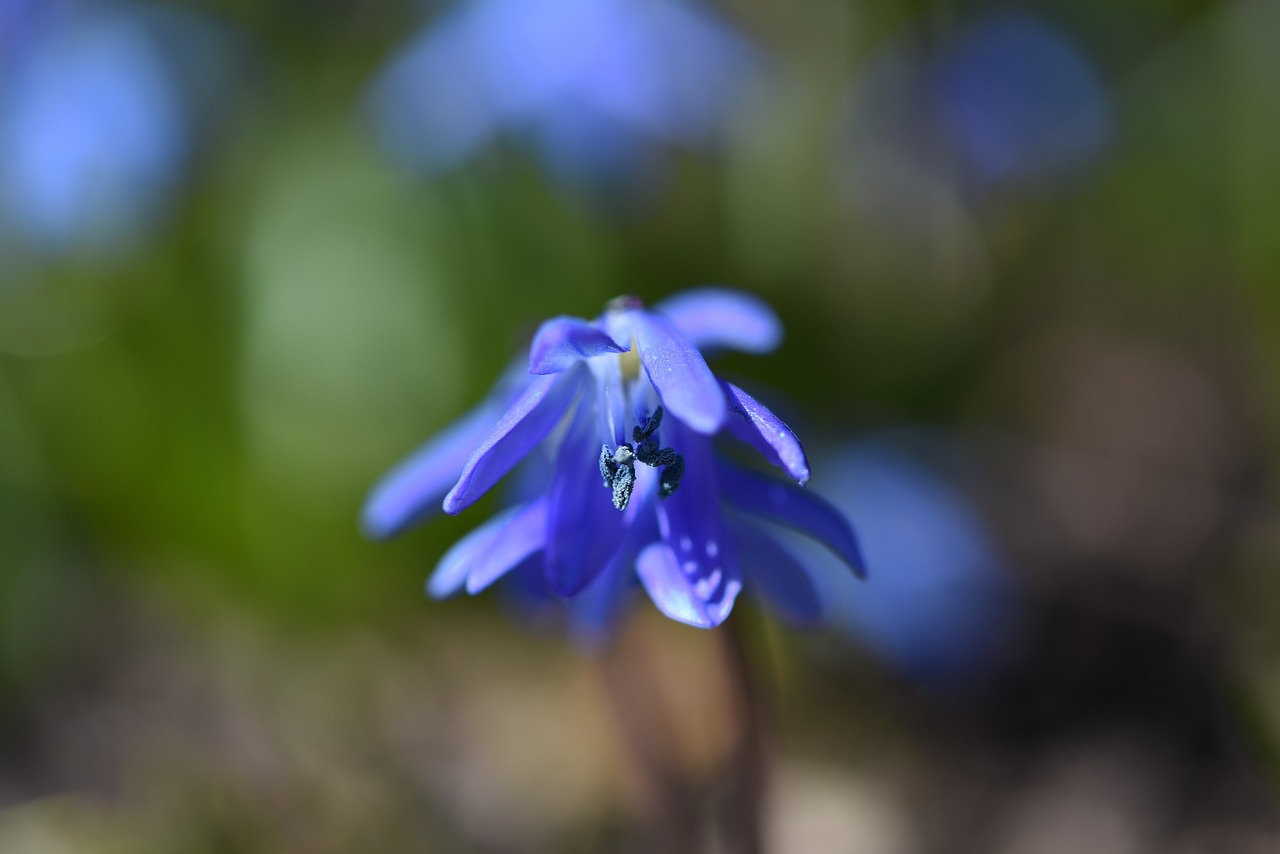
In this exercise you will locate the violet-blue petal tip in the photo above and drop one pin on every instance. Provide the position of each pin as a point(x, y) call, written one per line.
point(451, 572)
point(413, 490)
point(676, 595)
point(753, 423)
point(722, 318)
point(531, 417)
point(562, 342)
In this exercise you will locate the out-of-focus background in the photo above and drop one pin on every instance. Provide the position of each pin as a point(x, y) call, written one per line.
point(1028, 259)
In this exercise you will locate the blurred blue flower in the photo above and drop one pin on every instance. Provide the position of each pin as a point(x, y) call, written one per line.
point(1009, 101)
point(592, 84)
point(95, 128)
point(1020, 100)
point(941, 610)
point(625, 408)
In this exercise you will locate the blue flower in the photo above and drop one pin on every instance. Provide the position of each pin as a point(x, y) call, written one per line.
point(92, 133)
point(98, 108)
point(945, 612)
point(1010, 102)
point(623, 409)
point(591, 84)
point(1020, 100)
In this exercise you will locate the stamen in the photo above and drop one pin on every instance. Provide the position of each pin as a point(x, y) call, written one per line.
point(648, 452)
point(619, 472)
point(608, 468)
point(672, 472)
point(618, 469)
point(623, 484)
point(649, 426)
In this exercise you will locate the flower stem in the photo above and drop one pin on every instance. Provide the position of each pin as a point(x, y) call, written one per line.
point(672, 799)
point(687, 808)
point(741, 814)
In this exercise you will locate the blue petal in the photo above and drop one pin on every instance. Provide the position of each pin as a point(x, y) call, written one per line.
point(531, 417)
point(675, 594)
point(585, 531)
point(781, 502)
point(454, 567)
point(412, 491)
point(775, 575)
point(717, 317)
point(593, 612)
point(688, 389)
point(753, 423)
point(523, 534)
point(562, 342)
point(523, 590)
point(690, 524)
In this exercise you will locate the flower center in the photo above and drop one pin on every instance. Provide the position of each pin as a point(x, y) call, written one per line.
point(618, 468)
point(629, 363)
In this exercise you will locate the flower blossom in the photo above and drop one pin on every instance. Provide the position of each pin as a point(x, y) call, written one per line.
point(625, 409)
point(945, 611)
point(1021, 102)
point(593, 86)
point(98, 114)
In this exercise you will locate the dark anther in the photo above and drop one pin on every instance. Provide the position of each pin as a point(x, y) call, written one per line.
point(618, 469)
point(671, 473)
point(671, 463)
point(608, 468)
point(623, 483)
point(650, 426)
point(619, 472)
point(649, 453)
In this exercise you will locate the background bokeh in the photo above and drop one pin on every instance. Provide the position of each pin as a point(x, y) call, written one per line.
point(1028, 260)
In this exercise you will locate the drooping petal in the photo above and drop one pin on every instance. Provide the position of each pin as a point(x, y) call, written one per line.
point(412, 491)
point(524, 593)
point(530, 418)
point(688, 389)
point(585, 531)
point(789, 505)
point(454, 567)
point(776, 576)
point(676, 594)
point(593, 612)
point(753, 423)
point(718, 317)
point(691, 525)
point(562, 342)
point(523, 534)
